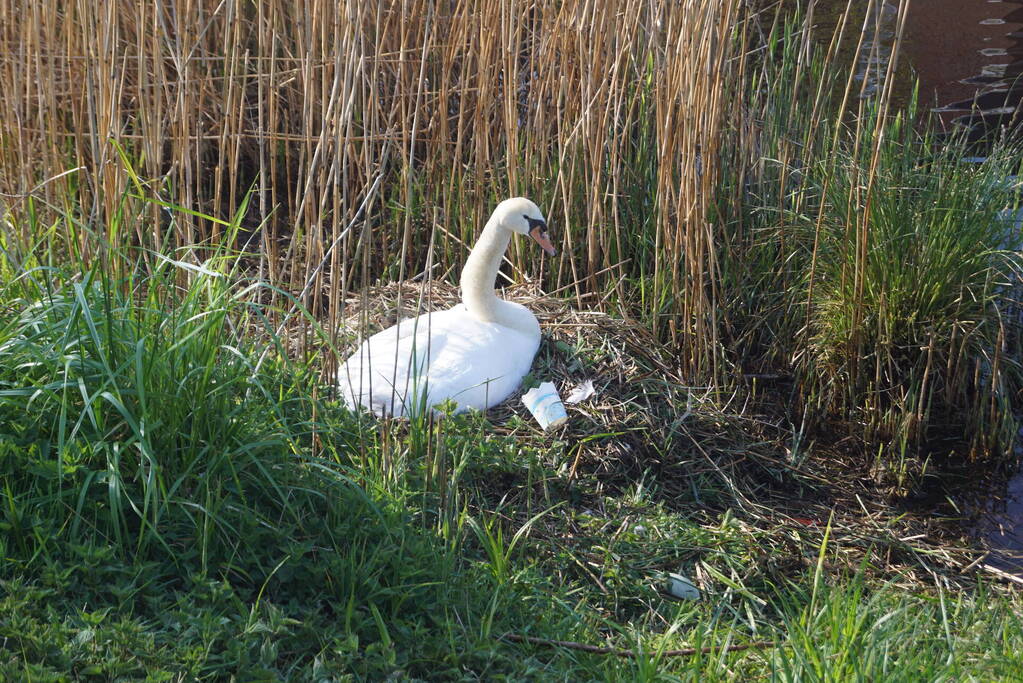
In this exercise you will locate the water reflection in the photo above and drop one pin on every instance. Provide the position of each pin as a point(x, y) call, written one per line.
point(876, 51)
point(1002, 527)
point(968, 55)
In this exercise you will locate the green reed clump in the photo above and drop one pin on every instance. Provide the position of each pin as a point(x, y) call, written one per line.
point(911, 335)
point(867, 262)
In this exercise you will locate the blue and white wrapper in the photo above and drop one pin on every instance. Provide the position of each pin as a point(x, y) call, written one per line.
point(545, 405)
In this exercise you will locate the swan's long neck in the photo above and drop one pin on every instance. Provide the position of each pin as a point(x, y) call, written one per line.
point(480, 274)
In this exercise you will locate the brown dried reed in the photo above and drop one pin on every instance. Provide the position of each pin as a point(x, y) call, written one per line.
point(359, 126)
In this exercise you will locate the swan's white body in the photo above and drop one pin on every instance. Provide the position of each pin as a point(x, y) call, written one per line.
point(474, 354)
point(439, 356)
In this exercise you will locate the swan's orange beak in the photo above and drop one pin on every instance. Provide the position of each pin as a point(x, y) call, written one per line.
point(539, 234)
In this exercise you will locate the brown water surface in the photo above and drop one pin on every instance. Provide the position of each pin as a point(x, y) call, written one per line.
point(1001, 525)
point(966, 49)
point(966, 54)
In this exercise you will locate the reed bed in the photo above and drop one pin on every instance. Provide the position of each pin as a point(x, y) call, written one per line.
point(359, 126)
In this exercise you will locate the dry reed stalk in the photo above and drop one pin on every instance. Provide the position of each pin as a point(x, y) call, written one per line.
point(574, 103)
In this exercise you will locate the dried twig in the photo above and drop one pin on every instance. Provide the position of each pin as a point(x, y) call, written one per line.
point(617, 652)
point(1002, 574)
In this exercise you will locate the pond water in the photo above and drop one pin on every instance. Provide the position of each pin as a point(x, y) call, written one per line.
point(967, 54)
point(1001, 525)
point(968, 57)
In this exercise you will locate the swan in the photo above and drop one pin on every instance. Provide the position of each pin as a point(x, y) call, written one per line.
point(474, 354)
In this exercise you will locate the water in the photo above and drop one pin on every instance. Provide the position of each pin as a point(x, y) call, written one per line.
point(1001, 526)
point(968, 55)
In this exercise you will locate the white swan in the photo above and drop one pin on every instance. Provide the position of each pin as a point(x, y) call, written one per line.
point(474, 354)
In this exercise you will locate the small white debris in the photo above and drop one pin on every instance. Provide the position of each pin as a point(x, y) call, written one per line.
point(545, 405)
point(581, 392)
point(682, 587)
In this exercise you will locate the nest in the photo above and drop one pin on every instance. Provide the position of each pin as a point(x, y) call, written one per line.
point(703, 451)
point(638, 390)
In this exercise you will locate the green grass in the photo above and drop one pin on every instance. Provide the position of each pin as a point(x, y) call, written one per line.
point(854, 632)
point(182, 498)
point(165, 518)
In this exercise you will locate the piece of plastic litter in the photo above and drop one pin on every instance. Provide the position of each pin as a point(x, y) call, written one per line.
point(545, 405)
point(682, 587)
point(581, 392)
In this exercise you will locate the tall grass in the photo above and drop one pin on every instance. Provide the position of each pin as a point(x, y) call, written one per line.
point(129, 389)
point(869, 262)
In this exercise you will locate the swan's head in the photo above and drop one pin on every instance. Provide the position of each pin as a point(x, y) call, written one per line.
point(520, 215)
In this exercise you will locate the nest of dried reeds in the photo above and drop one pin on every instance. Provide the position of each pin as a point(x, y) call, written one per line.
point(703, 451)
point(640, 396)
